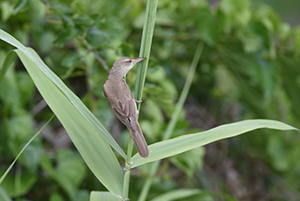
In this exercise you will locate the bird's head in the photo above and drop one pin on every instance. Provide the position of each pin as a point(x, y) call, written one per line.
point(124, 64)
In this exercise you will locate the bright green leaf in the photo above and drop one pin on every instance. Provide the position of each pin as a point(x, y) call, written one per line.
point(73, 99)
point(101, 196)
point(187, 142)
point(93, 148)
point(86, 132)
point(177, 194)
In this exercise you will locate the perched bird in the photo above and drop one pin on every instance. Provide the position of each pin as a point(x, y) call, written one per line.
point(122, 103)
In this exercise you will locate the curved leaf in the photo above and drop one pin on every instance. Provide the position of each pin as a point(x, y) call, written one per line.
point(100, 195)
point(177, 194)
point(95, 151)
point(187, 142)
point(86, 114)
point(86, 132)
point(23, 149)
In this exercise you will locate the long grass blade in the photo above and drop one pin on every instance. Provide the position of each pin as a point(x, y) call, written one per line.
point(23, 149)
point(177, 194)
point(187, 142)
point(95, 151)
point(145, 50)
point(77, 103)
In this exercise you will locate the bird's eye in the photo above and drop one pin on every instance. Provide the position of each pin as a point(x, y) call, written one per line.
point(129, 61)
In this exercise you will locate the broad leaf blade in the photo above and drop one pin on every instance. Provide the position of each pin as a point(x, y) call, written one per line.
point(101, 196)
point(86, 114)
point(93, 148)
point(187, 142)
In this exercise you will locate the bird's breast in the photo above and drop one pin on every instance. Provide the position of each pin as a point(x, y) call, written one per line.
point(116, 89)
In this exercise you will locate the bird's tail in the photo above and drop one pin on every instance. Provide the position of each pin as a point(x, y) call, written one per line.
point(139, 140)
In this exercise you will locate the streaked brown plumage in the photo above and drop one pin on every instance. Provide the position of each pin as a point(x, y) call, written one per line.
point(122, 103)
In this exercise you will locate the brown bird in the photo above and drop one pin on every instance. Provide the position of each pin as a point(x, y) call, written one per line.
point(122, 103)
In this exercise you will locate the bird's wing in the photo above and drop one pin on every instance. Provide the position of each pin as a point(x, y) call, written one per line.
point(124, 107)
point(125, 110)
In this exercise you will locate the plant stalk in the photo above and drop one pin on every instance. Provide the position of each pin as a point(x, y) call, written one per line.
point(23, 149)
point(145, 50)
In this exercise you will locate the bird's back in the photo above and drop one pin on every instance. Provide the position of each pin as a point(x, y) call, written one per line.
point(121, 100)
point(124, 107)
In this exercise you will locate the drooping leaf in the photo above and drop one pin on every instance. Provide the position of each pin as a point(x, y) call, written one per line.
point(92, 146)
point(86, 132)
point(73, 99)
point(177, 194)
point(187, 142)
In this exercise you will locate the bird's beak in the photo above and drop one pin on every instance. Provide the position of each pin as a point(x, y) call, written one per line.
point(137, 60)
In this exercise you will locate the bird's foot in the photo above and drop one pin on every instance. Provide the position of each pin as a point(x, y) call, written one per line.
point(138, 101)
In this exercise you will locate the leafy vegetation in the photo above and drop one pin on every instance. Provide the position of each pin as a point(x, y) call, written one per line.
point(248, 69)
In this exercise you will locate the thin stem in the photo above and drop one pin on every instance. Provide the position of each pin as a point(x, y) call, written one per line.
point(174, 119)
point(184, 93)
point(145, 49)
point(141, 75)
point(127, 169)
point(23, 149)
point(148, 183)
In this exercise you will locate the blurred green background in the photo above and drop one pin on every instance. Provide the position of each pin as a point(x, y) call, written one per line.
point(250, 68)
point(288, 10)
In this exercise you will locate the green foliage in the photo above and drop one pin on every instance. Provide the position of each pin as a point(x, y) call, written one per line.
point(96, 196)
point(69, 171)
point(184, 193)
point(189, 161)
point(248, 69)
point(188, 142)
